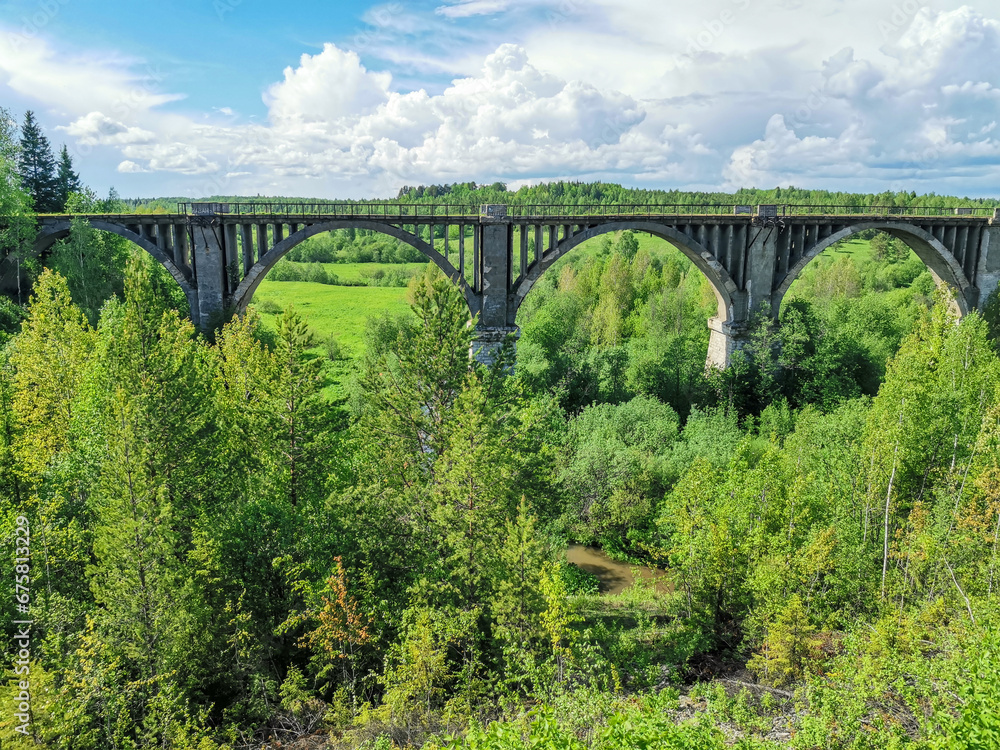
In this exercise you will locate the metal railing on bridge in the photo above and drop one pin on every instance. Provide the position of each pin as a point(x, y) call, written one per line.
point(658, 210)
point(429, 212)
point(365, 210)
point(882, 211)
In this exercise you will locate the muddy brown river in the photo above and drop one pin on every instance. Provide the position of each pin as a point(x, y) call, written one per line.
point(614, 576)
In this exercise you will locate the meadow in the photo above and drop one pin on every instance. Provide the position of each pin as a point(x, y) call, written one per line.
point(338, 311)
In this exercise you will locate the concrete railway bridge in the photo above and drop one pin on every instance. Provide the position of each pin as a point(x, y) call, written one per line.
point(220, 252)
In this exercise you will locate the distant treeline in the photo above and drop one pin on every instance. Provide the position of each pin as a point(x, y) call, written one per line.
point(317, 273)
point(602, 193)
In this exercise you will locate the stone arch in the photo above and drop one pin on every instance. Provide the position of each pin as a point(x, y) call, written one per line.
point(943, 266)
point(52, 233)
point(248, 286)
point(722, 284)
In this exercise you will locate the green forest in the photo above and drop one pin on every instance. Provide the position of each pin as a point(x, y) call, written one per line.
point(250, 538)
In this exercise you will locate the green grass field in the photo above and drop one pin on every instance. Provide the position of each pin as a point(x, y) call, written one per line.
point(337, 310)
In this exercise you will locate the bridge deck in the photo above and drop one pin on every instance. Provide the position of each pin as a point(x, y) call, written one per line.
point(982, 217)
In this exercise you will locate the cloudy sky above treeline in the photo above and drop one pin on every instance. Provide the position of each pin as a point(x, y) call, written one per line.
point(354, 99)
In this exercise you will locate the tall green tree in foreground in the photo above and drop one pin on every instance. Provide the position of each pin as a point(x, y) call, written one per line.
point(37, 166)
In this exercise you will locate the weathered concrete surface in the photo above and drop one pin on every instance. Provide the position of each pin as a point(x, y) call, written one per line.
point(210, 264)
point(988, 269)
point(488, 341)
point(494, 275)
point(724, 341)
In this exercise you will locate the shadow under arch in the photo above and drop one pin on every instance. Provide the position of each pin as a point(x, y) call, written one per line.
point(722, 284)
point(943, 266)
point(248, 287)
point(52, 233)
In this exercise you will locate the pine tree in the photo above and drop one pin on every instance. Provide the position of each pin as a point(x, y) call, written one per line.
point(37, 166)
point(67, 181)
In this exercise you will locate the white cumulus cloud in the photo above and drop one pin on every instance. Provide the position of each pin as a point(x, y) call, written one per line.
point(922, 112)
point(97, 129)
point(326, 87)
point(130, 167)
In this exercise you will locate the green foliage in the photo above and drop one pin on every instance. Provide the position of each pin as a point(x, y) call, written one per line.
point(606, 326)
point(220, 547)
point(67, 180)
point(579, 581)
point(354, 246)
point(615, 467)
point(37, 166)
point(991, 314)
point(974, 723)
point(18, 228)
point(93, 265)
point(645, 724)
point(788, 646)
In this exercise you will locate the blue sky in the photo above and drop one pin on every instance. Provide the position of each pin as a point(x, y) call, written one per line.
point(355, 99)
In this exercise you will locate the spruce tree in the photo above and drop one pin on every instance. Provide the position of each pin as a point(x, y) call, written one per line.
point(37, 166)
point(67, 181)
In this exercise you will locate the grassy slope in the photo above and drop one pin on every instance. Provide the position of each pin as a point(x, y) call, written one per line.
point(337, 310)
point(860, 251)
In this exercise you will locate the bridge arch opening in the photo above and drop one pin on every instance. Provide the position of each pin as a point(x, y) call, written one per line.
point(246, 289)
point(943, 267)
point(51, 234)
point(723, 288)
point(722, 285)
